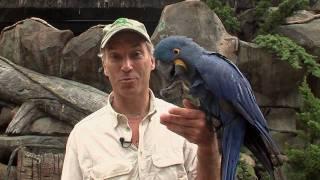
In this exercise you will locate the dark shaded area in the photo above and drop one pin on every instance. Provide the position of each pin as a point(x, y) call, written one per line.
point(86, 3)
point(79, 20)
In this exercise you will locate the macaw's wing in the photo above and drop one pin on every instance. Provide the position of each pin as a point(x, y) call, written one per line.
point(225, 80)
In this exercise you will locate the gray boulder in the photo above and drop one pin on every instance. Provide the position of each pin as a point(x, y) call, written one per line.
point(202, 25)
point(304, 29)
point(80, 61)
point(305, 34)
point(34, 44)
point(274, 82)
point(49, 126)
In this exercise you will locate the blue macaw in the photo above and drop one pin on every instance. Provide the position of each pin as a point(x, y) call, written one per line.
point(226, 94)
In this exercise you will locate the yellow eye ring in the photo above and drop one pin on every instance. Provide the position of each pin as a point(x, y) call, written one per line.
point(176, 51)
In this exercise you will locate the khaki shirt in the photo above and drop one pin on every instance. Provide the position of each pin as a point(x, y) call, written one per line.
point(94, 150)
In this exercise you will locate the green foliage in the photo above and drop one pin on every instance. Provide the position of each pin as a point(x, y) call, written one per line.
point(262, 9)
point(289, 51)
point(310, 113)
point(273, 18)
point(226, 14)
point(245, 171)
point(304, 163)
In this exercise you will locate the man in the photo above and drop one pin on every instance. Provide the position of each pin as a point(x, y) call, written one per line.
point(137, 136)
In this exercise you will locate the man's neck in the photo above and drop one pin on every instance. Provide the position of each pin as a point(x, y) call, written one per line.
point(133, 107)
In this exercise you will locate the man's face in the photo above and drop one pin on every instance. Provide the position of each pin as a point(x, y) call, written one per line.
point(128, 64)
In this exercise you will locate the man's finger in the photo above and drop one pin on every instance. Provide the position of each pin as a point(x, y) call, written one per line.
point(178, 120)
point(186, 132)
point(187, 113)
point(188, 104)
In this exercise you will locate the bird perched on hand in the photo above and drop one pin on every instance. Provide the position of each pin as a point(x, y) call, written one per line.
point(224, 93)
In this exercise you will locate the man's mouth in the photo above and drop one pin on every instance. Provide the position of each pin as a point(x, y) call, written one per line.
point(127, 79)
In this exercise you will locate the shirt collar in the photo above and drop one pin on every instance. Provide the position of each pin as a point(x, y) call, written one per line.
point(120, 118)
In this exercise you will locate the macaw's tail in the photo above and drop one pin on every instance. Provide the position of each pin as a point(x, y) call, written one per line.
point(232, 140)
point(267, 154)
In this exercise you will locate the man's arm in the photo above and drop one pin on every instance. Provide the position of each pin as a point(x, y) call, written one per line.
point(209, 160)
point(71, 168)
point(190, 123)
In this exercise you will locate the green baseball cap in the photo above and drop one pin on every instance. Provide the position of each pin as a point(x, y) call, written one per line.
point(122, 24)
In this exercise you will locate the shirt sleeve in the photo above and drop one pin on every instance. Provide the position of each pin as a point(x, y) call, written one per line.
point(71, 166)
point(191, 160)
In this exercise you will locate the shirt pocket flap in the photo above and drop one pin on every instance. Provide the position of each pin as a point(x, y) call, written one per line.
point(109, 170)
point(167, 158)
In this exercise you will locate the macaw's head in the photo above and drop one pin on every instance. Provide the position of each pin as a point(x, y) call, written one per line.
point(176, 57)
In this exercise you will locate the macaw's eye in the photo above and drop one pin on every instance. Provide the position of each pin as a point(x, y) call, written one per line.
point(176, 51)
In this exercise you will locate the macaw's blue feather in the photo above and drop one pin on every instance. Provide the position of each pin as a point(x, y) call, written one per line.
point(232, 138)
point(225, 93)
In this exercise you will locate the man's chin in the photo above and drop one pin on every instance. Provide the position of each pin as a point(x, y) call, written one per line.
point(128, 86)
point(128, 89)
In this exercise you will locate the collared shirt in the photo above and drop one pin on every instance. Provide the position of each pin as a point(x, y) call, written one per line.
point(94, 150)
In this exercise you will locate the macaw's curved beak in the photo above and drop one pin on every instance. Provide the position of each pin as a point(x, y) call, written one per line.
point(180, 68)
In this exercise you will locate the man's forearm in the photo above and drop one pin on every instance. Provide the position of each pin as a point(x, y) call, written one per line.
point(209, 161)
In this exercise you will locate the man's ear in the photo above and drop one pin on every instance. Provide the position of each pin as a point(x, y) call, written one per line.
point(105, 71)
point(153, 63)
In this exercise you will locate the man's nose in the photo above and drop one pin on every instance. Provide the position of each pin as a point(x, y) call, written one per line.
point(126, 65)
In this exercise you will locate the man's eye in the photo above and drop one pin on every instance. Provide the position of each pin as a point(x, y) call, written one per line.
point(114, 57)
point(137, 54)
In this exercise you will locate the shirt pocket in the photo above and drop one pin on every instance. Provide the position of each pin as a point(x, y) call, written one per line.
point(169, 164)
point(111, 170)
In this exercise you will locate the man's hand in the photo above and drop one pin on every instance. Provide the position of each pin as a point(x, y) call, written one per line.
point(190, 123)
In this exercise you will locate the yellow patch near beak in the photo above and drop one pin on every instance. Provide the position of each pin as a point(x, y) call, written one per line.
point(179, 62)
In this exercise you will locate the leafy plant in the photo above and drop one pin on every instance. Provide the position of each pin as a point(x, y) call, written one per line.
point(226, 14)
point(245, 171)
point(289, 51)
point(310, 113)
point(262, 9)
point(304, 164)
point(273, 18)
